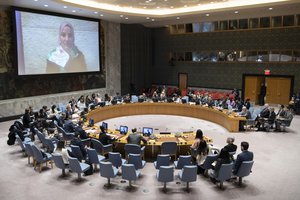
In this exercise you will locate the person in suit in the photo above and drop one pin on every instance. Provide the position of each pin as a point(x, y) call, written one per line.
point(230, 146)
point(283, 119)
point(262, 94)
point(223, 158)
point(26, 120)
point(135, 138)
point(262, 116)
point(245, 155)
point(77, 142)
point(244, 113)
point(69, 126)
point(103, 137)
point(79, 131)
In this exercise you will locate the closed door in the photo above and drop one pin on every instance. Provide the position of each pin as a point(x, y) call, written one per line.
point(252, 87)
point(278, 90)
point(183, 77)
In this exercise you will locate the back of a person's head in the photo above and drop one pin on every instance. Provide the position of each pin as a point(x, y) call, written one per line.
point(230, 140)
point(102, 129)
point(245, 145)
point(224, 153)
point(60, 144)
point(133, 130)
point(199, 134)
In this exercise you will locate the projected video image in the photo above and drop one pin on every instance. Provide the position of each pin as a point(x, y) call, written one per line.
point(48, 44)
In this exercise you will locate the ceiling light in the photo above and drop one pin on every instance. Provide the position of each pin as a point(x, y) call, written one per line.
point(212, 2)
point(177, 17)
point(73, 10)
point(153, 20)
point(121, 15)
point(236, 12)
point(270, 8)
point(126, 17)
point(145, 7)
point(207, 15)
point(101, 15)
point(46, 5)
point(147, 17)
point(172, 7)
point(65, 6)
point(35, 0)
point(166, 0)
point(96, 12)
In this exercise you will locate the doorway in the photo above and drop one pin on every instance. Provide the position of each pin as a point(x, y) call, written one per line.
point(182, 81)
point(279, 88)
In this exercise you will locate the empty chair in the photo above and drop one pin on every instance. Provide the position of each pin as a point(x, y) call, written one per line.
point(77, 152)
point(66, 136)
point(116, 159)
point(77, 166)
point(134, 149)
point(40, 158)
point(59, 163)
point(250, 123)
point(41, 136)
point(162, 160)
point(130, 173)
point(29, 151)
point(169, 148)
point(108, 171)
point(165, 174)
point(244, 170)
point(188, 174)
point(183, 161)
point(86, 142)
point(50, 145)
point(286, 123)
point(136, 160)
point(208, 162)
point(224, 174)
point(22, 144)
point(94, 158)
point(100, 148)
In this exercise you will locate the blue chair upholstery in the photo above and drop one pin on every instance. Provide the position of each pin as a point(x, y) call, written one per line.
point(40, 136)
point(188, 174)
point(134, 149)
point(78, 167)
point(29, 151)
point(59, 163)
point(208, 162)
point(94, 158)
point(165, 174)
point(100, 148)
point(50, 145)
point(183, 161)
point(162, 160)
point(116, 159)
point(244, 170)
point(129, 173)
point(169, 148)
point(136, 160)
point(21, 144)
point(77, 152)
point(66, 136)
point(86, 142)
point(39, 158)
point(224, 173)
point(108, 171)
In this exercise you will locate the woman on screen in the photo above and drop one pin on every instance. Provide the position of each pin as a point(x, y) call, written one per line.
point(66, 57)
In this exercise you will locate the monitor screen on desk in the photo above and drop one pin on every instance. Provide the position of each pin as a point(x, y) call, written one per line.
point(123, 129)
point(91, 122)
point(105, 125)
point(147, 131)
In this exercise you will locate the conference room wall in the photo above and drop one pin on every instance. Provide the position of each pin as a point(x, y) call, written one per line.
point(17, 93)
point(136, 57)
point(221, 75)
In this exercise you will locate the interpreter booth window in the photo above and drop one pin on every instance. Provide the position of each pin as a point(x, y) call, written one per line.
point(208, 27)
point(188, 56)
point(253, 23)
point(181, 28)
point(231, 56)
point(264, 22)
point(173, 29)
point(233, 24)
point(180, 56)
point(188, 28)
point(288, 20)
point(276, 21)
point(241, 56)
point(274, 56)
point(223, 25)
point(297, 56)
point(243, 24)
point(262, 56)
point(286, 56)
point(252, 56)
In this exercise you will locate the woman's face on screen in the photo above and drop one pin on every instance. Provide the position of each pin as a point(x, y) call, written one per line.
point(66, 38)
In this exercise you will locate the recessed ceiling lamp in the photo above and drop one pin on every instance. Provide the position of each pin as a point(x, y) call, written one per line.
point(96, 12)
point(147, 17)
point(270, 8)
point(177, 17)
point(153, 20)
point(65, 6)
point(73, 11)
point(236, 12)
point(46, 5)
point(126, 17)
point(207, 15)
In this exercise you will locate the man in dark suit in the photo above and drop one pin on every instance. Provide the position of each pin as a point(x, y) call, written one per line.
point(262, 94)
point(104, 138)
point(79, 131)
point(263, 116)
point(26, 119)
point(69, 126)
point(244, 156)
point(135, 138)
point(77, 142)
point(230, 146)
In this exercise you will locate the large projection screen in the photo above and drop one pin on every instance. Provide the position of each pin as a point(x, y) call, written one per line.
point(48, 43)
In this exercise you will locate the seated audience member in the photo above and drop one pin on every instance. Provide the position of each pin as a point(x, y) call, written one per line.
point(69, 126)
point(63, 151)
point(69, 112)
point(245, 155)
point(230, 146)
point(223, 158)
point(118, 97)
point(103, 137)
point(283, 119)
point(88, 101)
point(61, 120)
point(244, 113)
point(200, 146)
point(263, 115)
point(281, 111)
point(247, 103)
point(26, 120)
point(268, 122)
point(135, 138)
point(107, 98)
point(72, 100)
point(77, 142)
point(80, 103)
point(79, 131)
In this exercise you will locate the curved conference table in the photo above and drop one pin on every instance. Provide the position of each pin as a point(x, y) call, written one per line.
point(184, 140)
